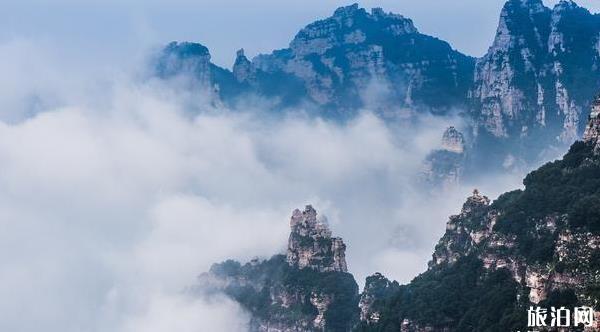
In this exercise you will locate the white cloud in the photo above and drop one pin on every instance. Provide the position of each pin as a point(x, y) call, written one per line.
point(114, 196)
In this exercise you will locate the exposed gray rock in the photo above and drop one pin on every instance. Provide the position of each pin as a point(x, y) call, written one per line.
point(444, 167)
point(592, 130)
point(525, 82)
point(311, 244)
point(453, 140)
point(243, 70)
point(294, 292)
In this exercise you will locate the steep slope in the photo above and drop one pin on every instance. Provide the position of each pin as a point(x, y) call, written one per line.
point(308, 289)
point(537, 246)
point(534, 86)
point(342, 59)
point(191, 61)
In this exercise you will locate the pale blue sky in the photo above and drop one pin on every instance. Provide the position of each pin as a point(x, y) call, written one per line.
point(112, 27)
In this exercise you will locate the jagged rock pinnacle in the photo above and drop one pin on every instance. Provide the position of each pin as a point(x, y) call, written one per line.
point(453, 140)
point(243, 70)
point(311, 244)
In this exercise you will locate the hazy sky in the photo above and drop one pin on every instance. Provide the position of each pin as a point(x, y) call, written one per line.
point(116, 28)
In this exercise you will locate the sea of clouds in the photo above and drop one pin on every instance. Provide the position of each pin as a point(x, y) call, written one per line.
point(117, 190)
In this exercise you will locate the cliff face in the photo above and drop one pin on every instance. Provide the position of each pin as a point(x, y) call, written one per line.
point(528, 95)
point(537, 246)
point(192, 62)
point(339, 58)
point(540, 73)
point(344, 62)
point(308, 289)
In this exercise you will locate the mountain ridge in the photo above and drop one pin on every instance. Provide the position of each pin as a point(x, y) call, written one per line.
point(525, 98)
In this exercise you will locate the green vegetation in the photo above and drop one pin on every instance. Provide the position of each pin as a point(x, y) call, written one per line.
point(275, 276)
point(569, 187)
point(456, 297)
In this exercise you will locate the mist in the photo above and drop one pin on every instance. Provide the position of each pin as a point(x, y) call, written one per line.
point(114, 195)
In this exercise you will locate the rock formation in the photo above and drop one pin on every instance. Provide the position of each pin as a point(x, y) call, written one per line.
point(185, 58)
point(592, 130)
point(453, 140)
point(311, 245)
point(243, 70)
point(537, 80)
point(528, 95)
point(306, 290)
point(340, 58)
point(443, 167)
point(534, 247)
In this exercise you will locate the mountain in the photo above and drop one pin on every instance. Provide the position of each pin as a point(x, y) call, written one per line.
point(307, 289)
point(347, 61)
point(523, 101)
point(539, 246)
point(192, 61)
point(343, 59)
point(535, 84)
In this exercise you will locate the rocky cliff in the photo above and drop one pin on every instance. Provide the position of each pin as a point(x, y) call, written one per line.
point(528, 95)
point(311, 245)
point(356, 58)
point(344, 62)
point(537, 246)
point(534, 86)
point(307, 289)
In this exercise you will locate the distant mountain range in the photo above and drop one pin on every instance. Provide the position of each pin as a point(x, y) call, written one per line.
point(527, 95)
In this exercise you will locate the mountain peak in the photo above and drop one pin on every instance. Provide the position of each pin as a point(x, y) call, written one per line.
point(185, 58)
point(186, 49)
point(565, 5)
point(453, 140)
point(533, 6)
point(347, 11)
point(475, 202)
point(311, 244)
point(243, 70)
